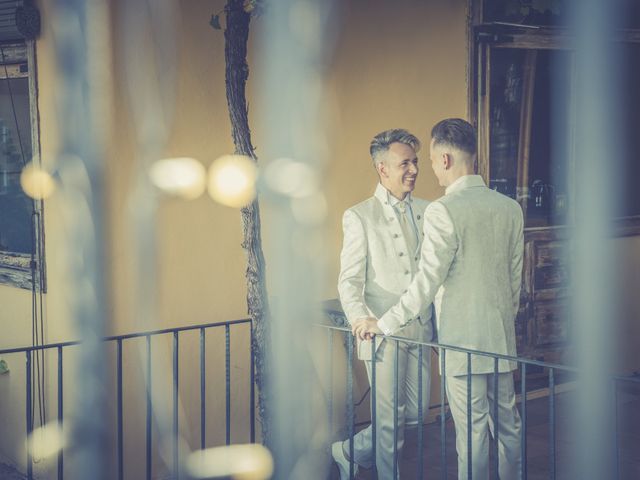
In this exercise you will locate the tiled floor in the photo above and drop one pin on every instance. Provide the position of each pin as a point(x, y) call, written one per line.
point(538, 451)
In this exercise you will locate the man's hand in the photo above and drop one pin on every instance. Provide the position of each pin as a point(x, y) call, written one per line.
point(366, 328)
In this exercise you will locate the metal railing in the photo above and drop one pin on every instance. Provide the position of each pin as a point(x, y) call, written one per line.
point(119, 341)
point(441, 349)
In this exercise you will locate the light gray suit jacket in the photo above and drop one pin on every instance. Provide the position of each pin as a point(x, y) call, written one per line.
point(376, 266)
point(471, 268)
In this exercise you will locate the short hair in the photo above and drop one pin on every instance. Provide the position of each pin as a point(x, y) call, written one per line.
point(456, 133)
point(382, 141)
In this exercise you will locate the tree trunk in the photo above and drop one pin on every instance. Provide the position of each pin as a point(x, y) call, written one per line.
point(237, 71)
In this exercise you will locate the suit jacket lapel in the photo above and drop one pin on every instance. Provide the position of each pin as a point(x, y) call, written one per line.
point(390, 219)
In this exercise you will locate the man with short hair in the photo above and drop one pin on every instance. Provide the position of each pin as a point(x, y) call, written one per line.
point(471, 268)
point(382, 238)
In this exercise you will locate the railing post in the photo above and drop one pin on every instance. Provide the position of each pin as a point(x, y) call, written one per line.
point(330, 387)
point(203, 391)
point(469, 445)
point(120, 410)
point(420, 414)
point(149, 439)
point(29, 418)
point(496, 421)
point(252, 387)
point(552, 424)
point(350, 412)
point(374, 426)
point(523, 400)
point(395, 409)
point(616, 445)
point(443, 413)
point(60, 412)
point(176, 459)
point(227, 365)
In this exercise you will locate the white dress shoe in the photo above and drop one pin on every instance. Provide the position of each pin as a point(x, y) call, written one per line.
point(342, 461)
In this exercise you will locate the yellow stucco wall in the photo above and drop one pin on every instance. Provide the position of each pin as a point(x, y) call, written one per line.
point(396, 64)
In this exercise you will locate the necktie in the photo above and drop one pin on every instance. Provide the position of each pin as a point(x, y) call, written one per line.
point(407, 227)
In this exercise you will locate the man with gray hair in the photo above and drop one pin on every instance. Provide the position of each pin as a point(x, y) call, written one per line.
point(382, 239)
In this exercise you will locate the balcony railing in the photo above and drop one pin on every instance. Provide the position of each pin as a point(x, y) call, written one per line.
point(523, 363)
point(119, 341)
point(553, 372)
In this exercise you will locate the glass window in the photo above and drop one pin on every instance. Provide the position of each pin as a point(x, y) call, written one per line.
point(551, 13)
point(21, 238)
point(629, 134)
point(15, 149)
point(529, 133)
point(526, 12)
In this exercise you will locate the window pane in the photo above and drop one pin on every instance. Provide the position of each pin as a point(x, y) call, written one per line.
point(527, 12)
point(549, 151)
point(15, 149)
point(551, 13)
point(630, 122)
point(529, 130)
point(506, 103)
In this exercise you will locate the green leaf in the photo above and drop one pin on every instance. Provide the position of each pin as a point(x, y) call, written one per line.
point(215, 22)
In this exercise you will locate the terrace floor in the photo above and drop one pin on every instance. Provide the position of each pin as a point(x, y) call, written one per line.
point(538, 456)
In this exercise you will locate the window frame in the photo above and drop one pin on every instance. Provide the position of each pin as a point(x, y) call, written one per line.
point(484, 36)
point(20, 270)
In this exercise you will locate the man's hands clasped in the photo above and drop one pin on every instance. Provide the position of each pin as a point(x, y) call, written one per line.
point(366, 328)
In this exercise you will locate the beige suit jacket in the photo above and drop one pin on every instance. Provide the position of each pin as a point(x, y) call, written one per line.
point(471, 268)
point(376, 266)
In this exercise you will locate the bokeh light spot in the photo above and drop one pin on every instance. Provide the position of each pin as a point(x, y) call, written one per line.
point(36, 182)
point(182, 177)
point(232, 180)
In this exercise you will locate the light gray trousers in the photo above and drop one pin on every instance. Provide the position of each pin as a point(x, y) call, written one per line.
point(482, 421)
point(407, 404)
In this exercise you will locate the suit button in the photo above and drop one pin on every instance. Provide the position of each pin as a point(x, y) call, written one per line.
point(419, 217)
point(416, 259)
point(418, 317)
point(404, 291)
point(395, 235)
point(406, 272)
point(401, 254)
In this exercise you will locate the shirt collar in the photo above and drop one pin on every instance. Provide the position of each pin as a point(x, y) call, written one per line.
point(466, 181)
point(386, 198)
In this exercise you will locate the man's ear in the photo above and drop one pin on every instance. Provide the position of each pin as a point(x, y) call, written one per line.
point(447, 160)
point(382, 169)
